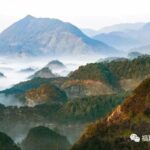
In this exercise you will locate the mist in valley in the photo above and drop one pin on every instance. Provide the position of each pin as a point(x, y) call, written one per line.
point(10, 100)
point(13, 74)
point(16, 71)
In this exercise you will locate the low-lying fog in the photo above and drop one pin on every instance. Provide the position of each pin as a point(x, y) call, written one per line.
point(9, 100)
point(14, 68)
point(17, 70)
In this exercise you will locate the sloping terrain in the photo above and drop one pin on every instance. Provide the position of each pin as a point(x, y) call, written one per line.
point(133, 39)
point(6, 143)
point(44, 73)
point(113, 132)
point(121, 74)
point(32, 36)
point(46, 93)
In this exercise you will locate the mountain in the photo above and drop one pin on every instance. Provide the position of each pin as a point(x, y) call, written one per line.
point(68, 118)
point(113, 28)
point(42, 138)
point(46, 93)
point(125, 127)
point(120, 40)
point(80, 88)
point(44, 73)
point(36, 91)
point(88, 109)
point(6, 143)
point(56, 66)
point(49, 37)
point(16, 121)
point(134, 39)
point(121, 27)
point(95, 79)
point(133, 55)
point(32, 84)
point(124, 74)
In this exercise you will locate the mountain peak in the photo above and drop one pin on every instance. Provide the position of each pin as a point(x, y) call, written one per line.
point(55, 64)
point(43, 36)
point(29, 17)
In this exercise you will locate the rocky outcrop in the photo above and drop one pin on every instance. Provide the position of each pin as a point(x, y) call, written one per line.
point(46, 93)
point(83, 88)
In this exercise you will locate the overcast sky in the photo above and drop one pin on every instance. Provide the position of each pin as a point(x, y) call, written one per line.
point(83, 13)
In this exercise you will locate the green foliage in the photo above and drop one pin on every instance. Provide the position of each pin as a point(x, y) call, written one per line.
point(42, 138)
point(113, 131)
point(90, 108)
point(136, 68)
point(6, 143)
point(28, 85)
point(112, 72)
point(97, 71)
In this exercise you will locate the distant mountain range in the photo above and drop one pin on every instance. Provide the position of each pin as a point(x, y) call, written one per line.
point(32, 36)
point(49, 37)
point(120, 40)
point(113, 28)
point(121, 27)
point(126, 37)
point(134, 37)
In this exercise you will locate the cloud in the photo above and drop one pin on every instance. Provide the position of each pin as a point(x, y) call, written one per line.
point(9, 100)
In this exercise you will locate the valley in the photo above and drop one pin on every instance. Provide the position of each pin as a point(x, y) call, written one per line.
point(68, 104)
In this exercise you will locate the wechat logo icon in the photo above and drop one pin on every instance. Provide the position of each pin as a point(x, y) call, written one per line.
point(134, 138)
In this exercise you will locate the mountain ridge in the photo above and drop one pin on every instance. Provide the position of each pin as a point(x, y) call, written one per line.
point(130, 117)
point(128, 39)
point(44, 36)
